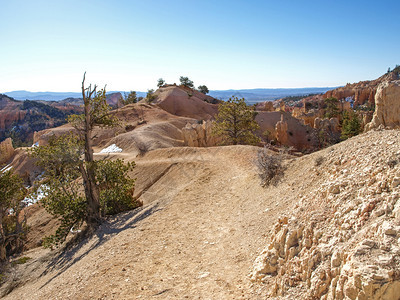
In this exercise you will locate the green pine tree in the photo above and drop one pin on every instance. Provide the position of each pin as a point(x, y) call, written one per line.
point(332, 109)
point(235, 123)
point(351, 125)
point(129, 98)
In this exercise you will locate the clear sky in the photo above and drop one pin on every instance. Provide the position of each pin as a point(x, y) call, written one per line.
point(128, 45)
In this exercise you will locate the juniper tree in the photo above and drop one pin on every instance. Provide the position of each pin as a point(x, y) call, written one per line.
point(160, 82)
point(69, 164)
point(12, 226)
point(96, 113)
point(62, 162)
point(129, 98)
point(203, 89)
point(185, 81)
point(235, 123)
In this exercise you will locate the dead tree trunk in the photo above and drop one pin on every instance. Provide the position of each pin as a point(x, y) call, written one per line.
point(88, 169)
point(3, 253)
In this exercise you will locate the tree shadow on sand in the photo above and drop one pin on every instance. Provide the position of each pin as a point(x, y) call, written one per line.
point(110, 228)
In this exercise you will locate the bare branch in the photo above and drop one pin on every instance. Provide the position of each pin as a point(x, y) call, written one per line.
point(83, 86)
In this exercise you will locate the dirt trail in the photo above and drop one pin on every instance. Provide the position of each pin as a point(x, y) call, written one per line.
point(202, 225)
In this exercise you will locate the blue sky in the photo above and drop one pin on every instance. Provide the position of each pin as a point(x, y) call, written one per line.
point(128, 45)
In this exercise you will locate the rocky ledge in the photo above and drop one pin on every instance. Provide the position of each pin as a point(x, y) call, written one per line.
point(342, 239)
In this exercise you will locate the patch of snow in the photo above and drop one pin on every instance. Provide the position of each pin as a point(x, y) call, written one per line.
point(5, 169)
point(111, 149)
point(35, 197)
point(74, 231)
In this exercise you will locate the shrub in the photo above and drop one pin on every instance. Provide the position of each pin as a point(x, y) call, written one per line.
point(150, 96)
point(270, 167)
point(392, 162)
point(21, 260)
point(116, 187)
point(318, 161)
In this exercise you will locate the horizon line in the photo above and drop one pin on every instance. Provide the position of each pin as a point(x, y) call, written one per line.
point(218, 90)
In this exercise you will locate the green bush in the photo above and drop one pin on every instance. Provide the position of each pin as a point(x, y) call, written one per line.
point(12, 226)
point(351, 125)
point(116, 187)
point(62, 162)
point(150, 97)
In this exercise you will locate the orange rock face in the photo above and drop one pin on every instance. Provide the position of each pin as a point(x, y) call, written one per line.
point(287, 130)
point(387, 100)
point(6, 150)
point(186, 102)
point(362, 92)
point(199, 135)
point(9, 112)
point(281, 129)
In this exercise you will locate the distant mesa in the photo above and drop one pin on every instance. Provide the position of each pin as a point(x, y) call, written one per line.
point(47, 96)
point(257, 95)
point(251, 95)
point(52, 96)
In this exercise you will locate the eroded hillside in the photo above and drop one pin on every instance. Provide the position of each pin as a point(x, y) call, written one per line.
point(333, 221)
point(341, 240)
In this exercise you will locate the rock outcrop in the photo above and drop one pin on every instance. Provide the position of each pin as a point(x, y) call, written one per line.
point(362, 92)
point(265, 106)
point(287, 130)
point(387, 106)
point(22, 118)
point(199, 135)
point(341, 241)
point(331, 124)
point(9, 112)
point(6, 150)
point(281, 131)
point(186, 102)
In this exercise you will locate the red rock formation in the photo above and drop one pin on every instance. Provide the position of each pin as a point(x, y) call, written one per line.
point(362, 92)
point(9, 112)
point(281, 129)
point(186, 102)
point(265, 106)
point(6, 150)
point(290, 131)
point(387, 100)
point(199, 135)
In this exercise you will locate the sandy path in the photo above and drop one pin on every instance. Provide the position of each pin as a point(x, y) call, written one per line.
point(196, 238)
